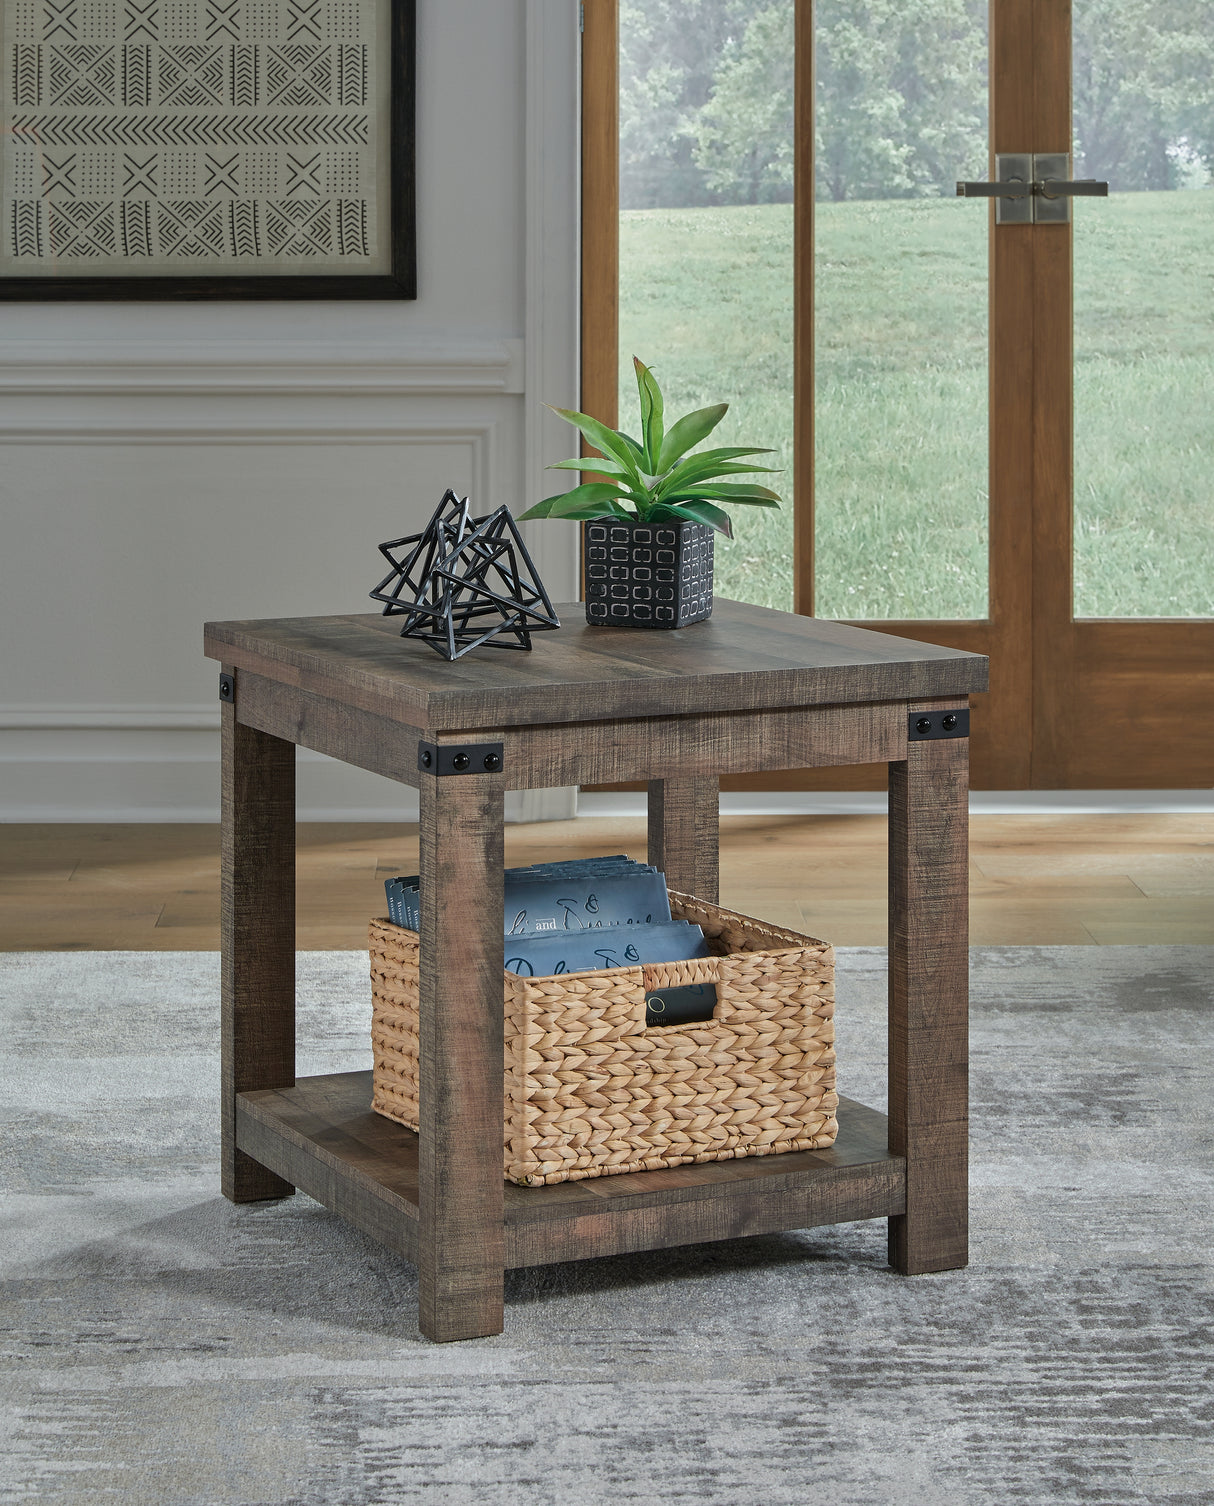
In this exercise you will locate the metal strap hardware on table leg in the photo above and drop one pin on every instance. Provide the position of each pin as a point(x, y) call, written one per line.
point(466, 758)
point(922, 725)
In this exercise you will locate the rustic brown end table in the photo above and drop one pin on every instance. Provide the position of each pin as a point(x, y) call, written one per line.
point(748, 690)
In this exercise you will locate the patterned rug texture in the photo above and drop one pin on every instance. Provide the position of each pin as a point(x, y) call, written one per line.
point(163, 1348)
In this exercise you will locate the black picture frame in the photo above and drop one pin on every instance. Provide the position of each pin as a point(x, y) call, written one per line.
point(399, 283)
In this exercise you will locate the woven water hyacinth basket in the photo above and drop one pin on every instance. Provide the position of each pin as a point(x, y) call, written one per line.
point(592, 1091)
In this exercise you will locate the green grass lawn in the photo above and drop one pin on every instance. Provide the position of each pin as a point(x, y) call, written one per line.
point(706, 298)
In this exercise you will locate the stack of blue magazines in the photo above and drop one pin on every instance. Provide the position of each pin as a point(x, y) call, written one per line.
point(577, 916)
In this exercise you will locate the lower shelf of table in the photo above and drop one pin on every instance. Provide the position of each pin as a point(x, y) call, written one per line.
point(322, 1137)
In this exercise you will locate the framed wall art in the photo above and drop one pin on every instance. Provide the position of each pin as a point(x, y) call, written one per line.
point(207, 149)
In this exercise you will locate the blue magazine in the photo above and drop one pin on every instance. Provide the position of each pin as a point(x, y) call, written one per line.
point(588, 951)
point(599, 892)
point(546, 898)
point(582, 902)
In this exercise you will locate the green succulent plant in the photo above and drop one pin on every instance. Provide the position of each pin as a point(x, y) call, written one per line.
point(655, 479)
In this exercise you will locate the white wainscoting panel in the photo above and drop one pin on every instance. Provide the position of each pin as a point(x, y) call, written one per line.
point(137, 522)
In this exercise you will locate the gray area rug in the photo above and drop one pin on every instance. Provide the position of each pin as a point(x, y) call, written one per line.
point(161, 1346)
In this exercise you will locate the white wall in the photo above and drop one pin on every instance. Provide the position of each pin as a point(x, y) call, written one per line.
point(167, 464)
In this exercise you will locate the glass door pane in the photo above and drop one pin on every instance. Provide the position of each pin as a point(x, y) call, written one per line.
point(706, 223)
point(1144, 310)
point(900, 309)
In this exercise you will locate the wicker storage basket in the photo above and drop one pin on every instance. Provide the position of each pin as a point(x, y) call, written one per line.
point(591, 1091)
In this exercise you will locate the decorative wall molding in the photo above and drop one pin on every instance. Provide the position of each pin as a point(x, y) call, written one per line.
point(57, 368)
point(63, 721)
point(66, 717)
point(242, 424)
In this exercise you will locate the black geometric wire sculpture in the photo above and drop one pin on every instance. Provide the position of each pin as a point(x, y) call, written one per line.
point(460, 571)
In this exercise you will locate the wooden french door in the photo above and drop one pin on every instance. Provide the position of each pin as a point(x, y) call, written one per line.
point(1083, 702)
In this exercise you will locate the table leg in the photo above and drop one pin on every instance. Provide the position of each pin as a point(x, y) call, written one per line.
point(929, 1002)
point(684, 834)
point(461, 1238)
point(257, 931)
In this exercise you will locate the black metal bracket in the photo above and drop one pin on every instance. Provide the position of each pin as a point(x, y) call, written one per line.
point(460, 758)
point(227, 688)
point(924, 726)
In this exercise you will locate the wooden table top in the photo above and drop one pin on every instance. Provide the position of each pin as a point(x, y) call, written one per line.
point(742, 658)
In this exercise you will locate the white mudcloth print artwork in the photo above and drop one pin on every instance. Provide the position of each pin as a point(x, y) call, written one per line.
point(195, 137)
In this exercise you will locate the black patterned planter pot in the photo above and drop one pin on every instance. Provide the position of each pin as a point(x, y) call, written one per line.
point(647, 575)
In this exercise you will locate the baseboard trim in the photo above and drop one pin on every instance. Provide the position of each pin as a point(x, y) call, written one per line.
point(873, 802)
point(102, 774)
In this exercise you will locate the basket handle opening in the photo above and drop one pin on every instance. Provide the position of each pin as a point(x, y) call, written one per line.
point(681, 1004)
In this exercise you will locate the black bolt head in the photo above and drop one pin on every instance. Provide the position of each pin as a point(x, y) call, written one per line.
point(949, 722)
point(460, 762)
point(427, 759)
point(493, 762)
point(924, 724)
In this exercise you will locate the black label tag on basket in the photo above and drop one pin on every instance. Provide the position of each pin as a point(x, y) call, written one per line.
point(680, 1006)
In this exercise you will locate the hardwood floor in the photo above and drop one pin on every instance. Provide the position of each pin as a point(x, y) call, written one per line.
point(1035, 880)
